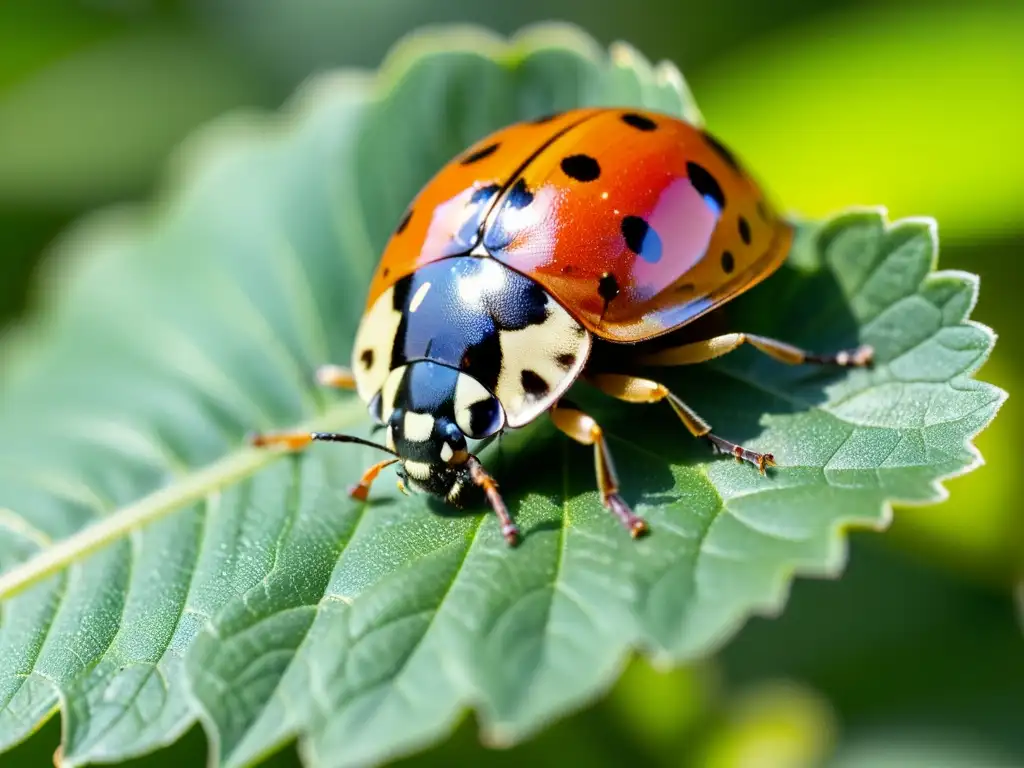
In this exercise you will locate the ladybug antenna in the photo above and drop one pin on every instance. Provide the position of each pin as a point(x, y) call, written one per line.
point(297, 440)
point(334, 437)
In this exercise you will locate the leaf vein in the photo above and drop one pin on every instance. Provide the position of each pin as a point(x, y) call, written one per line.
point(40, 646)
point(367, 690)
point(153, 667)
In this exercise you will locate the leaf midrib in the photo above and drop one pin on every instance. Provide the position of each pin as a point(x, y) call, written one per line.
point(193, 487)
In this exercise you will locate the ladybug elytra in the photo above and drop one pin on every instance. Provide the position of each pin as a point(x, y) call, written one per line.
point(593, 229)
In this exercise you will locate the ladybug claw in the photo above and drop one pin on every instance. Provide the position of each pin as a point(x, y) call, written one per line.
point(635, 524)
point(864, 355)
point(743, 455)
point(860, 357)
point(511, 533)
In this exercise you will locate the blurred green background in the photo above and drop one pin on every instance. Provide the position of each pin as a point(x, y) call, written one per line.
point(915, 657)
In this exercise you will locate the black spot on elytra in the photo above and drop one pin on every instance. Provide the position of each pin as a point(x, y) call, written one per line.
point(641, 239)
point(480, 154)
point(608, 287)
point(502, 230)
point(634, 229)
point(639, 122)
point(581, 167)
point(366, 356)
point(404, 222)
point(484, 193)
point(728, 262)
point(706, 184)
point(566, 360)
point(519, 196)
point(533, 384)
point(386, 272)
point(722, 151)
point(744, 227)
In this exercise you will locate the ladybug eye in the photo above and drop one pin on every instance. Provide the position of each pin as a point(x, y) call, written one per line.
point(374, 408)
point(477, 412)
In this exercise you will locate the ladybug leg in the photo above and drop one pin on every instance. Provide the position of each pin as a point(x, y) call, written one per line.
point(632, 389)
point(335, 376)
point(584, 430)
point(479, 476)
point(361, 490)
point(701, 351)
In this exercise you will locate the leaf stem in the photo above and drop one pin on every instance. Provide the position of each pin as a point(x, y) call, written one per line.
point(191, 488)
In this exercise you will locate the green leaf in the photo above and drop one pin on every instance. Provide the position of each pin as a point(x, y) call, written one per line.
point(154, 571)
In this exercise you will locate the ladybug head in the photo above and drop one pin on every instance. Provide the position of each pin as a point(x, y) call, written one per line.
point(431, 412)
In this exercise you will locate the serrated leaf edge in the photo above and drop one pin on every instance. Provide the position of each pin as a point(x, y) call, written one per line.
point(838, 543)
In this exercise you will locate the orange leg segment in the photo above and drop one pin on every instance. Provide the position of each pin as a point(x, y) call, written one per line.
point(361, 491)
point(480, 478)
point(632, 389)
point(584, 430)
point(702, 351)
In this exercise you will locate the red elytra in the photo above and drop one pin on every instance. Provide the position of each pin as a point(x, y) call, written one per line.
point(637, 222)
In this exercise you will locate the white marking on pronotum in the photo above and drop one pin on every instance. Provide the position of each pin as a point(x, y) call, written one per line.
point(469, 392)
point(418, 426)
point(376, 333)
point(538, 348)
point(389, 392)
point(446, 453)
point(418, 297)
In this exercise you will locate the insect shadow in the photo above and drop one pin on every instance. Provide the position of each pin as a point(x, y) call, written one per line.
point(737, 394)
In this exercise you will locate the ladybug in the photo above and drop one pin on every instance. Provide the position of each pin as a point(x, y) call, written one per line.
point(547, 246)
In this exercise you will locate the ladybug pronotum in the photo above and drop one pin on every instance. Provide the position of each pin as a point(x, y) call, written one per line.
point(549, 241)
